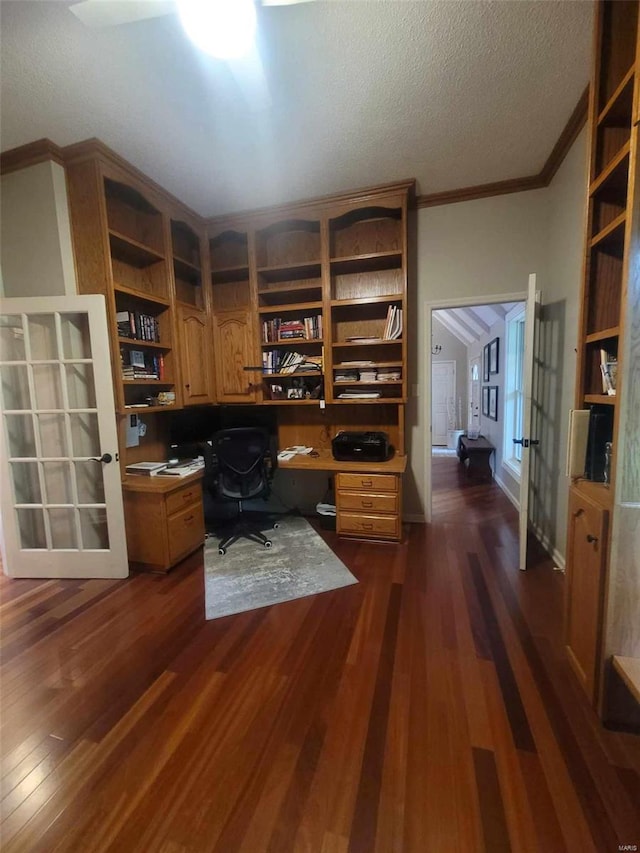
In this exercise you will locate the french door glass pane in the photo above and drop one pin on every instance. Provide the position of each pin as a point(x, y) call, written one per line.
point(11, 339)
point(20, 440)
point(93, 525)
point(31, 528)
point(26, 483)
point(46, 381)
point(90, 483)
point(84, 434)
point(75, 336)
point(15, 386)
point(53, 435)
point(80, 386)
point(42, 337)
point(63, 528)
point(57, 482)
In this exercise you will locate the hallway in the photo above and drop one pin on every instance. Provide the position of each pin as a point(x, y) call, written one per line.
point(427, 709)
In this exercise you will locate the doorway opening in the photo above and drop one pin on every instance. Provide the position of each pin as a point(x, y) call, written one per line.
point(473, 473)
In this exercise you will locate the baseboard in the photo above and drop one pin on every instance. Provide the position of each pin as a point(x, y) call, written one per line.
point(507, 492)
point(414, 518)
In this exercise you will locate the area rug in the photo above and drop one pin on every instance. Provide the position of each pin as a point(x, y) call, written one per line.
point(249, 576)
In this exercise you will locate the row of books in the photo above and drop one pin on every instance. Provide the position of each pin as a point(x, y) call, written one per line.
point(277, 329)
point(140, 327)
point(368, 374)
point(609, 371)
point(288, 361)
point(393, 326)
point(136, 364)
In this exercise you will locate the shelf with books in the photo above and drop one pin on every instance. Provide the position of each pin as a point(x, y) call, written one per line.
point(142, 344)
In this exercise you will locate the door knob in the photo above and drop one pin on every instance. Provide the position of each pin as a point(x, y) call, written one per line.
point(591, 538)
point(106, 458)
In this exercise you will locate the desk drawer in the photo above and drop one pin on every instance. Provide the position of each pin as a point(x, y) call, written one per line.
point(365, 502)
point(186, 532)
point(181, 498)
point(375, 526)
point(367, 482)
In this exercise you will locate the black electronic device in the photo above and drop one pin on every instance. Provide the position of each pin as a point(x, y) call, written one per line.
point(600, 433)
point(350, 446)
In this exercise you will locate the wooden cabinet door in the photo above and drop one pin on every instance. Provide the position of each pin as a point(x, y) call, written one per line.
point(233, 351)
point(195, 354)
point(586, 557)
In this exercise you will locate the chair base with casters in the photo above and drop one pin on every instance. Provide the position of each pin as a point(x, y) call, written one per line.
point(244, 528)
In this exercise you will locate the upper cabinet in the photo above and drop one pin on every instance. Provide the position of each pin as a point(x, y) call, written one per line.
point(122, 250)
point(290, 308)
point(189, 264)
point(368, 280)
point(234, 318)
point(326, 283)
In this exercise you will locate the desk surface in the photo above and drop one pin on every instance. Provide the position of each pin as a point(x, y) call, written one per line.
point(159, 484)
point(325, 462)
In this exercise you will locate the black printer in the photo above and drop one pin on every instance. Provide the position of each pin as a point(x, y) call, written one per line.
point(361, 447)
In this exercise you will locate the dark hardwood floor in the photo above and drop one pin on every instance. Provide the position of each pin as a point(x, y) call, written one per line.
point(427, 709)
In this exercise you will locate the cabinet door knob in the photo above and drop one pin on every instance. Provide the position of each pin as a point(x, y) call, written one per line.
point(578, 513)
point(592, 539)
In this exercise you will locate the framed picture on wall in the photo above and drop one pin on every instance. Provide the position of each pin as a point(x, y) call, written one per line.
point(493, 402)
point(485, 401)
point(485, 363)
point(494, 356)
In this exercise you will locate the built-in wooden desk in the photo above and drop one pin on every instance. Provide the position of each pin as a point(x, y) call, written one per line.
point(368, 494)
point(164, 518)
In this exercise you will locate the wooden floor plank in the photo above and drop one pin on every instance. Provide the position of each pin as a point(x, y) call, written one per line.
point(428, 708)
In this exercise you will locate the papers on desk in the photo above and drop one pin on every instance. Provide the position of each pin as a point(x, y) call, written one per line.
point(295, 450)
point(181, 470)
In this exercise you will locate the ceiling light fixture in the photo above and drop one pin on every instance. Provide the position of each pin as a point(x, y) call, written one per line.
point(224, 29)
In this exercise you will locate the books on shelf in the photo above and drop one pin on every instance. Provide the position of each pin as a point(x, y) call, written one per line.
point(289, 361)
point(609, 371)
point(278, 329)
point(358, 339)
point(137, 364)
point(393, 326)
point(138, 326)
point(354, 394)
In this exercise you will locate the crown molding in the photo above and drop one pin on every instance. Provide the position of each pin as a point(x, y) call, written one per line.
point(569, 134)
point(30, 155)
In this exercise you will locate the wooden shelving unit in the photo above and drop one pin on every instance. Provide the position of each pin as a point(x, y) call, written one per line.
point(613, 141)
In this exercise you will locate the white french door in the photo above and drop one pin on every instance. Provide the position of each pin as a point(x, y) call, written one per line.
point(61, 510)
point(527, 440)
point(475, 367)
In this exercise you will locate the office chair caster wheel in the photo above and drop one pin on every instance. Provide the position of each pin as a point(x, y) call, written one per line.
point(268, 543)
point(222, 551)
point(276, 525)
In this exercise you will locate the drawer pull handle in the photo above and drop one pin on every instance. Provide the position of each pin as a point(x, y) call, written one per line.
point(367, 526)
point(187, 520)
point(367, 483)
point(367, 504)
point(187, 496)
point(592, 539)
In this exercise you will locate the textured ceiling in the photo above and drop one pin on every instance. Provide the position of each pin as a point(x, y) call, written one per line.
point(357, 93)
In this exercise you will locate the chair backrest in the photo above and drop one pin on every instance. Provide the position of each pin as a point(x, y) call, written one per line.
point(241, 454)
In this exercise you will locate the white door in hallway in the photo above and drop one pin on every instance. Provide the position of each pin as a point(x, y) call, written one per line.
point(61, 512)
point(474, 393)
point(443, 395)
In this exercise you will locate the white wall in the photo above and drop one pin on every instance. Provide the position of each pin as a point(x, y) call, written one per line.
point(489, 247)
point(478, 248)
point(35, 233)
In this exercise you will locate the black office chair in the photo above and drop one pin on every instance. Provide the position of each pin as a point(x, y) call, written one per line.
point(241, 473)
